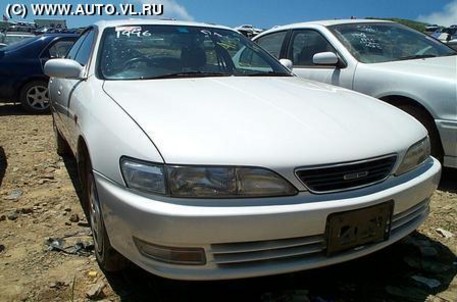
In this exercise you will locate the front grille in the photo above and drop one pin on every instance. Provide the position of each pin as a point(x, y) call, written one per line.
point(340, 177)
point(230, 254)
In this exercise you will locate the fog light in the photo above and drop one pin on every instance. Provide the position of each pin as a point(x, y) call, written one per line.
point(186, 256)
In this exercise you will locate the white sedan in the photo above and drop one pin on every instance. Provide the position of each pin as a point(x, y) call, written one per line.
point(201, 157)
point(383, 59)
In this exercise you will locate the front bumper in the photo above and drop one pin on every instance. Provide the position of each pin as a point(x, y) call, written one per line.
point(279, 235)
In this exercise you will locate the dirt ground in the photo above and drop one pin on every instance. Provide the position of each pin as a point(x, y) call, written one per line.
point(45, 243)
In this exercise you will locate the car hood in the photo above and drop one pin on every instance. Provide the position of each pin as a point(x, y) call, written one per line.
point(277, 121)
point(439, 67)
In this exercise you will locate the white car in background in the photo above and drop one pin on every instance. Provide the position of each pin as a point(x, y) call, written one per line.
point(383, 59)
point(452, 44)
point(202, 157)
point(248, 30)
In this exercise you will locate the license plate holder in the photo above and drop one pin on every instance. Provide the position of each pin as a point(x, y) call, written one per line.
point(355, 228)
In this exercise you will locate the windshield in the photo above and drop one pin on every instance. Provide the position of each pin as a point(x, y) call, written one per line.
point(170, 51)
point(383, 42)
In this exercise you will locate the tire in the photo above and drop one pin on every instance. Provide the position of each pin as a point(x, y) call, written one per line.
point(62, 147)
point(427, 121)
point(34, 97)
point(108, 258)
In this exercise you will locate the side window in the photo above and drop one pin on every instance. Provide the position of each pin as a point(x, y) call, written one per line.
point(60, 49)
point(77, 46)
point(250, 59)
point(83, 55)
point(272, 43)
point(80, 51)
point(305, 44)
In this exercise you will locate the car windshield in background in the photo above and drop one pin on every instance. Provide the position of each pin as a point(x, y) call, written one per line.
point(14, 39)
point(164, 51)
point(383, 42)
point(20, 44)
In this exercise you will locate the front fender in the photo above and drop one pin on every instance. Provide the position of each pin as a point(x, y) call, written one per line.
point(437, 96)
point(108, 131)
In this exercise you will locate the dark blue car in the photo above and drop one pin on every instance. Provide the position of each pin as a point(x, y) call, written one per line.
point(21, 69)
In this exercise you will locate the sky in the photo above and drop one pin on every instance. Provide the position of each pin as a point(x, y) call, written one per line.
point(268, 13)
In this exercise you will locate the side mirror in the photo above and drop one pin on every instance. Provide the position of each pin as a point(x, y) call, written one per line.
point(64, 68)
point(325, 58)
point(287, 63)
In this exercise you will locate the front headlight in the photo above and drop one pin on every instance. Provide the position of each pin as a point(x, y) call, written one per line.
point(226, 182)
point(204, 182)
point(142, 176)
point(415, 155)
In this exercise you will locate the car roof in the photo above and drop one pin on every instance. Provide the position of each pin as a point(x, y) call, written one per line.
point(34, 45)
point(326, 23)
point(113, 23)
point(45, 38)
point(54, 35)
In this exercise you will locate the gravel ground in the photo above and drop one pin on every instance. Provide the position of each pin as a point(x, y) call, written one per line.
point(46, 248)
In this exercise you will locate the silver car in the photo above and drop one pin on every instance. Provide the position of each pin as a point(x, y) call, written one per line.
point(383, 59)
point(201, 156)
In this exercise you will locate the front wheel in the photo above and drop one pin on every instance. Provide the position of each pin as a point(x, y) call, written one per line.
point(107, 257)
point(34, 97)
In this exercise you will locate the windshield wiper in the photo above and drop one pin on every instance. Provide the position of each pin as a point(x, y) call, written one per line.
point(268, 74)
point(416, 57)
point(188, 74)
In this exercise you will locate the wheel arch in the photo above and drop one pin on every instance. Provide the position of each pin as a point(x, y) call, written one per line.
point(403, 102)
point(396, 100)
point(399, 101)
point(108, 258)
point(82, 150)
point(82, 156)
